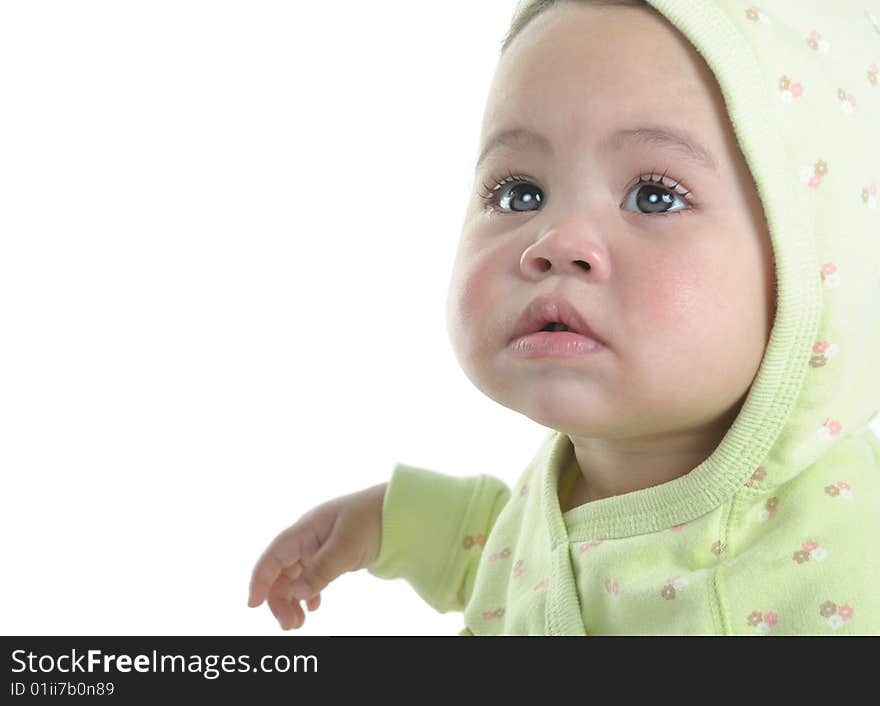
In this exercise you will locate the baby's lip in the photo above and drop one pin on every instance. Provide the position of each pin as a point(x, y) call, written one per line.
point(547, 308)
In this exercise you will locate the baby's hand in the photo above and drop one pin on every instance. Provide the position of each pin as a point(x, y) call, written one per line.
point(343, 534)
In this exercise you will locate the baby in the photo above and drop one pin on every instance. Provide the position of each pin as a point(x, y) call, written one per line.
point(708, 380)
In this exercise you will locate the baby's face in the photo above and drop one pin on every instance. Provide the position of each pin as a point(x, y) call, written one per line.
point(684, 301)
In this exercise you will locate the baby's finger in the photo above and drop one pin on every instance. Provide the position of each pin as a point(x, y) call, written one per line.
point(313, 602)
point(265, 572)
point(333, 558)
point(293, 572)
point(287, 611)
point(285, 550)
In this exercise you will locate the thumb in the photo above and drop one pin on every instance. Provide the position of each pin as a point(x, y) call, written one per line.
point(331, 560)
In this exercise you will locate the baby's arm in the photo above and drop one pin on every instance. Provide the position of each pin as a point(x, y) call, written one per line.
point(422, 526)
point(434, 527)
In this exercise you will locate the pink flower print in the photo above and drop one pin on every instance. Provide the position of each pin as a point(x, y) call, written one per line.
point(589, 544)
point(543, 583)
point(830, 276)
point(789, 91)
point(815, 41)
point(824, 352)
point(718, 547)
point(678, 528)
point(834, 614)
point(810, 549)
point(813, 175)
point(500, 555)
point(756, 477)
point(762, 622)
point(493, 614)
point(673, 584)
point(847, 101)
point(479, 539)
point(612, 587)
point(869, 195)
point(831, 427)
point(517, 569)
point(841, 489)
point(845, 490)
point(769, 509)
point(754, 14)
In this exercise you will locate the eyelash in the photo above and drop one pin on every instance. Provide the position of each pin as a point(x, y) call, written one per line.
point(494, 192)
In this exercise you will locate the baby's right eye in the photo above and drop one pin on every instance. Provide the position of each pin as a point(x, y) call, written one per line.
point(506, 197)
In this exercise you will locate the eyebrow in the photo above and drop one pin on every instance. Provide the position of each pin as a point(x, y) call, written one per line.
point(663, 136)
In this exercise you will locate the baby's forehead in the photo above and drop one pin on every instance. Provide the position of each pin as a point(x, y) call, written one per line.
point(690, 121)
point(610, 62)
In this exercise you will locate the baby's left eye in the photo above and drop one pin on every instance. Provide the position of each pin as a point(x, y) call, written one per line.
point(652, 195)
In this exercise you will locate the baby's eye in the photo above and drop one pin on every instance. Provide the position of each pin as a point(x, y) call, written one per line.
point(502, 197)
point(647, 197)
point(650, 197)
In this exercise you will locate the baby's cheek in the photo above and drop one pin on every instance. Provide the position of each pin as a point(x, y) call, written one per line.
point(686, 314)
point(479, 305)
point(663, 302)
point(474, 298)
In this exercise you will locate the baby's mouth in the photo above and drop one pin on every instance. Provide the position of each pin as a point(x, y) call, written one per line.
point(555, 326)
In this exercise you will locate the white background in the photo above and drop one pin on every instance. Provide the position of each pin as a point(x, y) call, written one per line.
point(226, 235)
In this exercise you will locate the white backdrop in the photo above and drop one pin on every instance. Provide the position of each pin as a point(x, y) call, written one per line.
point(226, 234)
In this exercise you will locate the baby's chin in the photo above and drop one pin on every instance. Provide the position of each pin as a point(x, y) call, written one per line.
point(563, 404)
